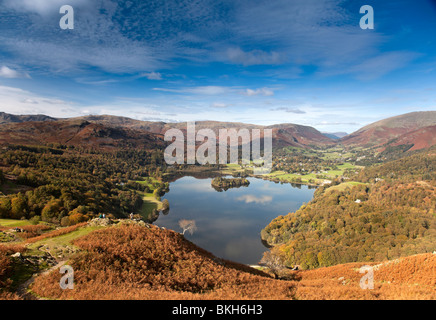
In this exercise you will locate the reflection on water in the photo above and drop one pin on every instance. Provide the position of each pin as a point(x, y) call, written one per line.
point(229, 222)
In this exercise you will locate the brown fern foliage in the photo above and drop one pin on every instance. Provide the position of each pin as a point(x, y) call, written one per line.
point(6, 269)
point(31, 231)
point(133, 262)
point(412, 278)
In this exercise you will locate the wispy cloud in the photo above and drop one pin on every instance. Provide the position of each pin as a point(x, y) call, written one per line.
point(7, 72)
point(201, 90)
point(256, 92)
point(254, 57)
point(18, 101)
point(289, 110)
point(133, 36)
point(41, 7)
point(219, 90)
point(152, 75)
point(382, 64)
point(219, 105)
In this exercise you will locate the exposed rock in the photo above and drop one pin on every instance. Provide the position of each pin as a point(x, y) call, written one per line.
point(100, 222)
point(133, 221)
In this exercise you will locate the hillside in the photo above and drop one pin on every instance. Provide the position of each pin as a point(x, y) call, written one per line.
point(383, 131)
point(417, 139)
point(12, 118)
point(134, 261)
point(146, 262)
point(78, 133)
point(387, 215)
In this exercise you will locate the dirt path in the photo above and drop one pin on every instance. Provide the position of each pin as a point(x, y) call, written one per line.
point(23, 289)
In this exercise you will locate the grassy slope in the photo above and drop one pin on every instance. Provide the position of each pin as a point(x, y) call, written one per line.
point(11, 223)
point(150, 202)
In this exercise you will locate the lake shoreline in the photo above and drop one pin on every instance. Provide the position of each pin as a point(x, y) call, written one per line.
point(234, 218)
point(202, 172)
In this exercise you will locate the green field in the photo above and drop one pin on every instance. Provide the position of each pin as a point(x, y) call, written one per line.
point(343, 186)
point(11, 223)
point(341, 169)
point(58, 245)
point(331, 174)
point(149, 182)
point(150, 202)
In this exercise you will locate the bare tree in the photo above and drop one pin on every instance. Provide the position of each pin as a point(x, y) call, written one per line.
point(188, 225)
point(273, 262)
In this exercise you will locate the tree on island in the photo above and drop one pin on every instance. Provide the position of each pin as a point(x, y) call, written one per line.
point(165, 206)
point(187, 225)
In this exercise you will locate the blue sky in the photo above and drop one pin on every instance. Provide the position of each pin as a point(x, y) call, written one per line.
point(262, 62)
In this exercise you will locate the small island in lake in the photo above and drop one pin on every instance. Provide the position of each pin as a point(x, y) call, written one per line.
point(223, 184)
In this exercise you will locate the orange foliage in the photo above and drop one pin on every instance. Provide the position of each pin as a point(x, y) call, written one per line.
point(31, 231)
point(133, 262)
point(6, 269)
point(412, 277)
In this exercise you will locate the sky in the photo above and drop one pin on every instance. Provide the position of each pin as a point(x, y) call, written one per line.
point(263, 62)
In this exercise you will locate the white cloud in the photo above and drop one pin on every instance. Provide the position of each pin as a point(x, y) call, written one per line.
point(219, 105)
point(254, 57)
point(152, 76)
point(289, 110)
point(27, 100)
point(41, 7)
point(18, 101)
point(382, 64)
point(7, 72)
point(220, 90)
point(261, 91)
point(201, 90)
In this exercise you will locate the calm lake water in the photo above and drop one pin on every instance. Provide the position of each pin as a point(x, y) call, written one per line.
point(229, 222)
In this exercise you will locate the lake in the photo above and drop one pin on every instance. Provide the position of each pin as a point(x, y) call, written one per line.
point(229, 222)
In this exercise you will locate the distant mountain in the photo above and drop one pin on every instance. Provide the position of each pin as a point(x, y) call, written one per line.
point(335, 135)
point(12, 118)
point(414, 129)
point(387, 130)
point(298, 136)
point(107, 130)
point(78, 133)
point(283, 134)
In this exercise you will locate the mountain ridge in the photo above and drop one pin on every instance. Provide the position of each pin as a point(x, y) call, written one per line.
point(383, 131)
point(283, 134)
point(415, 129)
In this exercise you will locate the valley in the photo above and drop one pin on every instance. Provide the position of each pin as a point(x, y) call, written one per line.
point(373, 203)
